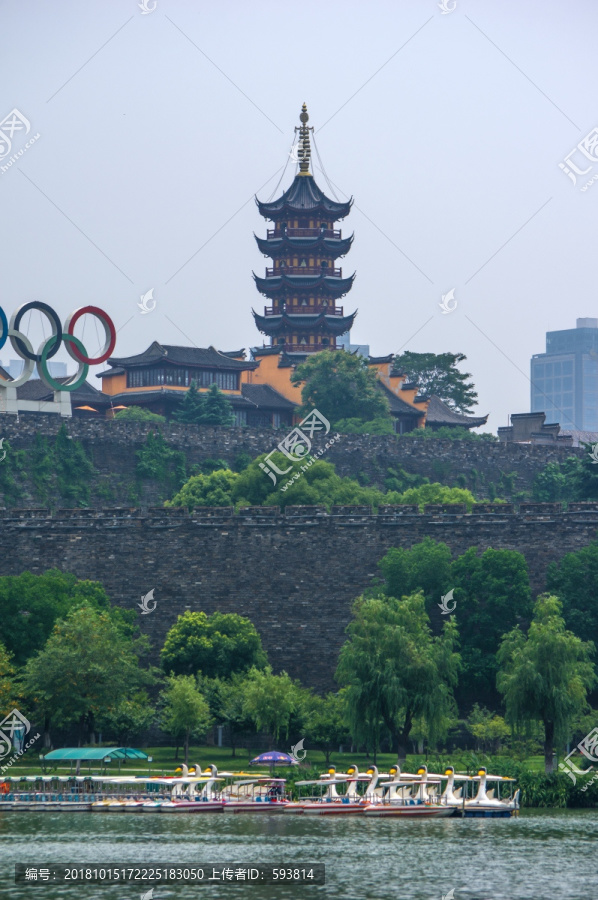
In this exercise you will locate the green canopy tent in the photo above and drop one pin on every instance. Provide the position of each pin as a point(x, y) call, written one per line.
point(94, 754)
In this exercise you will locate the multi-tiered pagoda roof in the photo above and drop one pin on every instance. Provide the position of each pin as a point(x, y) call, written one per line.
point(303, 282)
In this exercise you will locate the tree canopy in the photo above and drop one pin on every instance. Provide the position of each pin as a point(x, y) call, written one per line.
point(492, 595)
point(271, 700)
point(424, 567)
point(559, 481)
point(545, 675)
point(185, 711)
point(139, 414)
point(215, 646)
point(395, 670)
point(340, 386)
point(437, 373)
point(86, 667)
point(206, 489)
point(31, 604)
point(211, 407)
point(314, 482)
point(325, 724)
point(575, 582)
point(7, 684)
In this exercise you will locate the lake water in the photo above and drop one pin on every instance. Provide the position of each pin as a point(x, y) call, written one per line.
point(542, 855)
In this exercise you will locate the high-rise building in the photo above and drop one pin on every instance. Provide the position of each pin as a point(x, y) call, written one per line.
point(564, 379)
point(15, 367)
point(303, 284)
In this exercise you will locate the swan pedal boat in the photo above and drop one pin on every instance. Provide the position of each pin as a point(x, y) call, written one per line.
point(409, 795)
point(259, 794)
point(350, 802)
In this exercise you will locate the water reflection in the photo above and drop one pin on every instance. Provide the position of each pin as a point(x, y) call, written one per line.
point(539, 856)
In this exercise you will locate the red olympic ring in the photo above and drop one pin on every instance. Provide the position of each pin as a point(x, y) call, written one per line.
point(110, 334)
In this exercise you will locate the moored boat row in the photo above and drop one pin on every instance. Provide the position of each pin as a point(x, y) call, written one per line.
point(373, 794)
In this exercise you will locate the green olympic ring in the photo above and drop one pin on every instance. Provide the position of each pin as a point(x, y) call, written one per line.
point(79, 377)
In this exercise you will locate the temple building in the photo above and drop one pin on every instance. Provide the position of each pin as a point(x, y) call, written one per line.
point(158, 378)
point(304, 284)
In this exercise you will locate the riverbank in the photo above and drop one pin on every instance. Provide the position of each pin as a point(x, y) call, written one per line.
point(537, 790)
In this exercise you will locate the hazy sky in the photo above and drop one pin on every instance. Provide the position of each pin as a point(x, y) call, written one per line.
point(156, 130)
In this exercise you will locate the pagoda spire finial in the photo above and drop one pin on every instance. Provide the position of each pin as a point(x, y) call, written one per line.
point(304, 150)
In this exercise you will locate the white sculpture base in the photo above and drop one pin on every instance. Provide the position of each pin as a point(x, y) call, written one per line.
point(10, 405)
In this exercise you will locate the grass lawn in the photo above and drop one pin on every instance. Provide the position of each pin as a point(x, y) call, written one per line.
point(164, 763)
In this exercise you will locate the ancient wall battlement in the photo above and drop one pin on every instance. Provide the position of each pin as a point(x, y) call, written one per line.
point(112, 446)
point(294, 574)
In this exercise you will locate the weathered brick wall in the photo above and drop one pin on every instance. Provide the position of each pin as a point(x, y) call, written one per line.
point(294, 574)
point(112, 446)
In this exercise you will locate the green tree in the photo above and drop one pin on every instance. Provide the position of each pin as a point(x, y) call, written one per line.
point(588, 476)
point(216, 645)
point(209, 465)
point(488, 729)
point(326, 725)
point(575, 582)
point(437, 373)
point(158, 461)
point(11, 467)
point(190, 409)
point(217, 408)
point(128, 720)
point(433, 493)
point(85, 669)
point(395, 670)
point(492, 596)
point(8, 690)
point(545, 675)
point(271, 700)
point(212, 489)
point(424, 567)
point(185, 710)
point(311, 482)
point(558, 481)
point(139, 414)
point(74, 470)
point(340, 386)
point(31, 604)
point(227, 703)
point(397, 479)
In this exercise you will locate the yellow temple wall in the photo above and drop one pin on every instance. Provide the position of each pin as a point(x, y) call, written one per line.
point(279, 379)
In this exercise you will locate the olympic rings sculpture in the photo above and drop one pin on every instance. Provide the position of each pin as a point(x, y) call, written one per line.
point(48, 348)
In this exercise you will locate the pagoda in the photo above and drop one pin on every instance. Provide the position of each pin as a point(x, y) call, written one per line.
point(303, 284)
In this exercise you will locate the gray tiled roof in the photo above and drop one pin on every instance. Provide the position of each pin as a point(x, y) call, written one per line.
point(192, 356)
point(397, 405)
point(304, 195)
point(266, 397)
point(36, 389)
point(440, 414)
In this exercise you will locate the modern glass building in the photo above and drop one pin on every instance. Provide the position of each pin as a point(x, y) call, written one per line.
point(564, 380)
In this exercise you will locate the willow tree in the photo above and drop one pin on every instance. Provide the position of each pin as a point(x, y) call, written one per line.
point(186, 712)
point(396, 671)
point(271, 700)
point(545, 675)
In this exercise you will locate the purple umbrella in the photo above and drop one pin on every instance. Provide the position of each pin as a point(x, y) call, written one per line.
point(274, 758)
